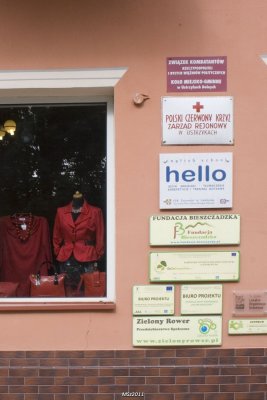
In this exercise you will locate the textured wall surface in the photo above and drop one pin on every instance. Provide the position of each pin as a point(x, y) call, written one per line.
point(171, 374)
point(139, 36)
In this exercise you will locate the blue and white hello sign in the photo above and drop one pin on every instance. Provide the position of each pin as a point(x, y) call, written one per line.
point(196, 180)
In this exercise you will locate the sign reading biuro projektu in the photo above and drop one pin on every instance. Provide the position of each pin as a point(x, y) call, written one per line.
point(195, 180)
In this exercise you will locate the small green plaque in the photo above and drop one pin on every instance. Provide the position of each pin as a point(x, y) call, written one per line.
point(247, 326)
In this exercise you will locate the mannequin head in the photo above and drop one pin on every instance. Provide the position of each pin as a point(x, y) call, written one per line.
point(77, 200)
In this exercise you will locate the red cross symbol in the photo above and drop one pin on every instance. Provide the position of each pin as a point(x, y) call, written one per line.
point(198, 106)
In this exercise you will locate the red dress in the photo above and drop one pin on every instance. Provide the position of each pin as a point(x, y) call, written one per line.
point(22, 251)
point(82, 238)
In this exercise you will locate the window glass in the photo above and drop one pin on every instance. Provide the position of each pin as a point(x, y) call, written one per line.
point(53, 218)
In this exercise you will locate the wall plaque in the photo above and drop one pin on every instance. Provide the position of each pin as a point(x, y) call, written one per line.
point(247, 326)
point(201, 299)
point(197, 74)
point(248, 303)
point(194, 266)
point(177, 331)
point(153, 300)
point(204, 229)
point(195, 180)
point(197, 120)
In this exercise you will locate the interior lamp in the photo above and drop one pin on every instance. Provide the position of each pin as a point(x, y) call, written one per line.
point(8, 127)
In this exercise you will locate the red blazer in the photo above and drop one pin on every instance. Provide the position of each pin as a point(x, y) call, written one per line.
point(84, 238)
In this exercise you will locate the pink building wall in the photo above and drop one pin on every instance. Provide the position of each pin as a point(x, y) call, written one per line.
point(140, 35)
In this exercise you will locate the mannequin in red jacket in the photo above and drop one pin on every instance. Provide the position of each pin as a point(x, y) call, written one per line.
point(78, 239)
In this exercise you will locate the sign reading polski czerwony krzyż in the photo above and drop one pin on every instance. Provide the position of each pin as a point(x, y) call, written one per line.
point(195, 180)
point(197, 120)
point(196, 74)
point(193, 230)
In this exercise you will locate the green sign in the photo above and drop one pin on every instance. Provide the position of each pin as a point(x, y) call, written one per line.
point(153, 300)
point(187, 230)
point(201, 299)
point(194, 266)
point(247, 326)
point(177, 331)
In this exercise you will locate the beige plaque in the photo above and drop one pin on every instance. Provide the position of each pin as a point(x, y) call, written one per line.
point(187, 230)
point(247, 326)
point(153, 300)
point(201, 299)
point(177, 331)
point(194, 266)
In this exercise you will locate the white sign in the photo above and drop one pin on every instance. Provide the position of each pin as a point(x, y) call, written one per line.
point(195, 180)
point(201, 299)
point(153, 300)
point(177, 331)
point(197, 120)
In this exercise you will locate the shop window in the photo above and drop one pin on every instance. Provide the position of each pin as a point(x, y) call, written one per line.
point(56, 181)
point(53, 203)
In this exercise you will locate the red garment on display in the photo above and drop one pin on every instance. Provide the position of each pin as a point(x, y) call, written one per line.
point(84, 237)
point(22, 251)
